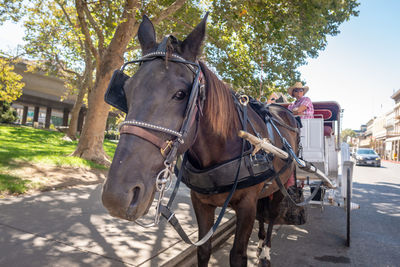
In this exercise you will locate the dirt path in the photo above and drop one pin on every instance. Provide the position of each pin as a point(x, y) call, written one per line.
point(45, 178)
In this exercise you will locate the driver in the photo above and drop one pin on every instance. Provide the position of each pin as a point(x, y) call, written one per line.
point(303, 106)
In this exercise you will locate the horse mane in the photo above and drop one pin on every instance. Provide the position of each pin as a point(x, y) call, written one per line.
point(219, 107)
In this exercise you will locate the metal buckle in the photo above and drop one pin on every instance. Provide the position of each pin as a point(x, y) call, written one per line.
point(167, 147)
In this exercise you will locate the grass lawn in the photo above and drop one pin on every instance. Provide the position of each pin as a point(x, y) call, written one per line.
point(20, 145)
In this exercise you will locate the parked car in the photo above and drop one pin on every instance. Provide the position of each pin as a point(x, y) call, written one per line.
point(367, 156)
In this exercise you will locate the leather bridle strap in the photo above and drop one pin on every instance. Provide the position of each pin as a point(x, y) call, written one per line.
point(165, 146)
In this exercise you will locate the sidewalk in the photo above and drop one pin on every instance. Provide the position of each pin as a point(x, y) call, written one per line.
point(71, 228)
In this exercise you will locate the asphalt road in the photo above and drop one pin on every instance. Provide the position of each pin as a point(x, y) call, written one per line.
point(375, 228)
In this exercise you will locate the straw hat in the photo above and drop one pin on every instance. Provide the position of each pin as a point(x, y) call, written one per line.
point(297, 85)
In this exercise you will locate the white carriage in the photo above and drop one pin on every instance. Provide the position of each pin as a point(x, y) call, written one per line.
point(322, 147)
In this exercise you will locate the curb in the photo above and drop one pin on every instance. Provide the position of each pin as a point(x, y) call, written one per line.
point(391, 161)
point(188, 257)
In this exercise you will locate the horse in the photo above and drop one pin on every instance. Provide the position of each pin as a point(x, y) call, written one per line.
point(159, 103)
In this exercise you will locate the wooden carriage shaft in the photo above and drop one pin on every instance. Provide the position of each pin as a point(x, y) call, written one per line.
point(265, 145)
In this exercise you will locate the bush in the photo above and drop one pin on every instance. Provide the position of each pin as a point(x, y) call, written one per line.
point(111, 135)
point(7, 113)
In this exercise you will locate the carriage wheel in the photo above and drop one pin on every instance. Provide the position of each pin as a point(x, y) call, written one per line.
point(348, 206)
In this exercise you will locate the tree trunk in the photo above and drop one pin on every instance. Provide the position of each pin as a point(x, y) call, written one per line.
point(73, 125)
point(90, 144)
point(85, 83)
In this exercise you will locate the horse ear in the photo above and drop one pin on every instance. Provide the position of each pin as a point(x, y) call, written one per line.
point(146, 35)
point(191, 45)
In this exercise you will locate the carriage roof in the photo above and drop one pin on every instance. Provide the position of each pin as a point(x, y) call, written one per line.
point(329, 110)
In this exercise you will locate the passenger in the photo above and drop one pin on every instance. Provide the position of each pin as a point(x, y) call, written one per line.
point(303, 106)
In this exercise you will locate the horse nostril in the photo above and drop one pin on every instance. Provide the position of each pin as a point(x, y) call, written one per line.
point(135, 196)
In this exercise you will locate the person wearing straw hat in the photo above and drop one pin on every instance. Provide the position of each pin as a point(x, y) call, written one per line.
point(303, 106)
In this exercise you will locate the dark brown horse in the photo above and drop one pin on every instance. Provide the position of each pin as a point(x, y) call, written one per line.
point(158, 94)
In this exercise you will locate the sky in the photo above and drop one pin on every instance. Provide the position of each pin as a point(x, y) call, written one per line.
point(359, 68)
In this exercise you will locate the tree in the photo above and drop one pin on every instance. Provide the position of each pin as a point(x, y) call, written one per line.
point(346, 133)
point(280, 34)
point(10, 82)
point(7, 113)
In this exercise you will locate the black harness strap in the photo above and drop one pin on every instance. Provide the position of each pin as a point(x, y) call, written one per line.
point(170, 216)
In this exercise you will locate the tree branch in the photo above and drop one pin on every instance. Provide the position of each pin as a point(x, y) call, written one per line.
point(126, 29)
point(175, 6)
point(85, 29)
point(98, 31)
point(70, 22)
point(61, 65)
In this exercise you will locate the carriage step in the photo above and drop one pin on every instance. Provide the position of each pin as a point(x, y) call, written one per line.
point(353, 206)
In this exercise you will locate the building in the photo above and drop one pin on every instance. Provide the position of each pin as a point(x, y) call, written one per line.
point(365, 140)
point(392, 143)
point(379, 134)
point(40, 103)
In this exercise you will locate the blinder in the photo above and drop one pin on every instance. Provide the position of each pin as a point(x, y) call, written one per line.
point(115, 94)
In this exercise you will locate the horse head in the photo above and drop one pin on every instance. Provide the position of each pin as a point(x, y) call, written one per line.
point(158, 99)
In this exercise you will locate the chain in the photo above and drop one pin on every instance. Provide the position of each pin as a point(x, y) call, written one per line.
point(163, 184)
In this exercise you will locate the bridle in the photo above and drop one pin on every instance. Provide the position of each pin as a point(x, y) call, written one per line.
point(168, 148)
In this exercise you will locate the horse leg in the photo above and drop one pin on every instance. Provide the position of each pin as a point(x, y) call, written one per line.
point(273, 212)
point(262, 205)
point(261, 236)
point(205, 220)
point(245, 217)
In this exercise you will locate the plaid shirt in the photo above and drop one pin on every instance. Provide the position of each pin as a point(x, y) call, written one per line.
point(304, 101)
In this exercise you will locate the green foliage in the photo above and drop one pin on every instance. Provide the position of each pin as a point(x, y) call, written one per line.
point(347, 132)
point(53, 36)
point(10, 10)
point(7, 113)
point(246, 39)
point(10, 82)
point(279, 35)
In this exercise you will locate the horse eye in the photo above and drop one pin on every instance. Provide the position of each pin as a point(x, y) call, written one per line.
point(180, 95)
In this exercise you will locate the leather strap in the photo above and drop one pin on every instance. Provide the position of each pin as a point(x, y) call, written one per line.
point(165, 146)
point(170, 216)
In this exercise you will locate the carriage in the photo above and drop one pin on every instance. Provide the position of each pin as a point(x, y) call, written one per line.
point(322, 147)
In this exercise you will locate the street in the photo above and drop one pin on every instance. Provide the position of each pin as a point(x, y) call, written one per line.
point(375, 228)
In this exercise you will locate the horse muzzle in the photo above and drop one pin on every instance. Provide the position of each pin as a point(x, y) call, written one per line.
point(128, 202)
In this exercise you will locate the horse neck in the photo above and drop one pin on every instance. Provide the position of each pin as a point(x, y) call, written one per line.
point(210, 149)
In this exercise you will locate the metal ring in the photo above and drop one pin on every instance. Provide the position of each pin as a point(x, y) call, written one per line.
point(163, 180)
point(244, 100)
point(263, 99)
